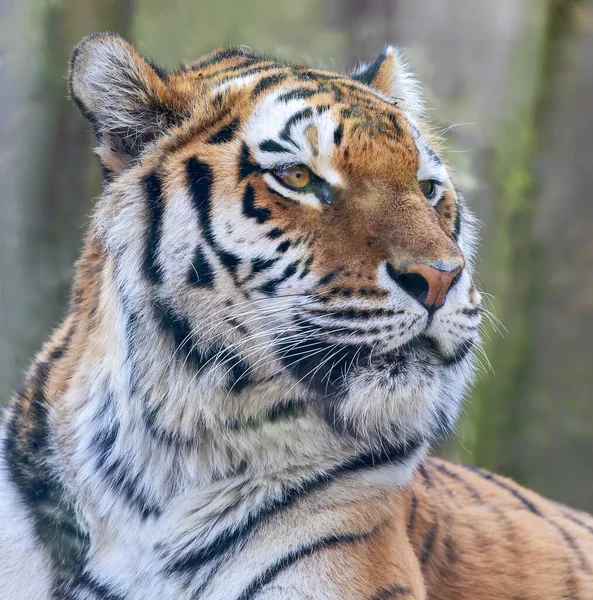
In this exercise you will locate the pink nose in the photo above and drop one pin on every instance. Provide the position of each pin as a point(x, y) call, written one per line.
point(429, 285)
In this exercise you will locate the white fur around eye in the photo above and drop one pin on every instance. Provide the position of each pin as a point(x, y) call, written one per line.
point(301, 197)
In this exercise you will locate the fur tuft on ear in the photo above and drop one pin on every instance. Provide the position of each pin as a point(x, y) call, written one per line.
point(390, 74)
point(122, 95)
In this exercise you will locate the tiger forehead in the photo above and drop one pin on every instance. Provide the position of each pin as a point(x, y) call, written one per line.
point(369, 110)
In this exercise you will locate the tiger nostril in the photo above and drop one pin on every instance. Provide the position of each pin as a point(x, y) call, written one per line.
point(426, 284)
point(415, 285)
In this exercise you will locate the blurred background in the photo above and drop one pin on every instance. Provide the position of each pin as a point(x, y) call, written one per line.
point(510, 86)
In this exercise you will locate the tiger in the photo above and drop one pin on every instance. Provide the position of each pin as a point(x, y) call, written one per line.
point(273, 319)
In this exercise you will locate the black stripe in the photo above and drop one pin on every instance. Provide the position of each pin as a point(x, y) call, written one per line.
point(429, 541)
point(200, 180)
point(250, 210)
point(262, 65)
point(413, 511)
point(306, 267)
point(530, 506)
point(29, 460)
point(457, 226)
point(82, 583)
point(117, 469)
point(357, 313)
point(225, 134)
point(155, 207)
point(577, 521)
point(283, 247)
point(261, 264)
point(271, 287)
point(338, 134)
point(266, 83)
point(272, 146)
point(389, 453)
point(246, 166)
point(505, 486)
point(222, 55)
point(179, 330)
point(425, 475)
point(391, 592)
point(471, 490)
point(328, 277)
point(121, 481)
point(200, 273)
point(289, 559)
point(306, 113)
point(182, 336)
point(239, 376)
point(298, 94)
point(274, 233)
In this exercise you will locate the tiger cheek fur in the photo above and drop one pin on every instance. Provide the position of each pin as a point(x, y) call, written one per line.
point(272, 319)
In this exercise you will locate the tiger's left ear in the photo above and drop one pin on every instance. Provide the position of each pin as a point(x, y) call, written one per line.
point(391, 75)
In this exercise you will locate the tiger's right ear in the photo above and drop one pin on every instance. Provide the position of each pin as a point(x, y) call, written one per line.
point(123, 96)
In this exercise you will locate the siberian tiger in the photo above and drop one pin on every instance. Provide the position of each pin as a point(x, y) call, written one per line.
point(273, 318)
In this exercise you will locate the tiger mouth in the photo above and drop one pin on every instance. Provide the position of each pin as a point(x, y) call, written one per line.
point(324, 366)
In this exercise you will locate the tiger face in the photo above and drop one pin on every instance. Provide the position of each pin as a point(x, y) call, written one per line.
point(287, 230)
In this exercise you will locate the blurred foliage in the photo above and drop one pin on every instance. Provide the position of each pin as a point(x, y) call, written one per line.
point(511, 83)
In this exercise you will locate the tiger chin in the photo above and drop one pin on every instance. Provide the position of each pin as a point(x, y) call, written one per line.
point(272, 318)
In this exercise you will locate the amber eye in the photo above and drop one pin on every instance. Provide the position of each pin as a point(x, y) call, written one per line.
point(428, 188)
point(294, 177)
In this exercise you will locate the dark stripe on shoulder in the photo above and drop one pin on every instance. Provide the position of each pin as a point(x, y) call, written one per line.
point(413, 512)
point(225, 134)
point(429, 541)
point(289, 559)
point(530, 506)
point(505, 486)
point(471, 490)
point(154, 199)
point(250, 210)
point(391, 592)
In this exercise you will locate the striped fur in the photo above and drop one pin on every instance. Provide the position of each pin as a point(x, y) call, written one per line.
point(243, 388)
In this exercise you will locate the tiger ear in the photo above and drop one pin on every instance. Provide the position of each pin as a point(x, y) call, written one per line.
point(390, 74)
point(123, 97)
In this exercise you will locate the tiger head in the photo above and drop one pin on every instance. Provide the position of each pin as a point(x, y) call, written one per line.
point(274, 234)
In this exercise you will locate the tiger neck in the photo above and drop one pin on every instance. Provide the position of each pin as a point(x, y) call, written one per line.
point(146, 425)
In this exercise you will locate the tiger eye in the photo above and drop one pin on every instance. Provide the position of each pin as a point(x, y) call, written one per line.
point(294, 177)
point(428, 188)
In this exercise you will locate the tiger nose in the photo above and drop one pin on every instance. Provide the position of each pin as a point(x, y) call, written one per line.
point(425, 283)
